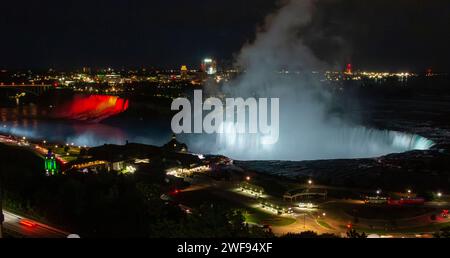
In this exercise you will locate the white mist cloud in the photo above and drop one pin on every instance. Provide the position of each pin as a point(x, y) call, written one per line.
point(307, 129)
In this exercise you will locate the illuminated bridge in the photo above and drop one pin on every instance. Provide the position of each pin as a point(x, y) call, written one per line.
point(35, 89)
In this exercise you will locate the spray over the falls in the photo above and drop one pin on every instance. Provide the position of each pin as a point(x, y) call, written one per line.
point(307, 129)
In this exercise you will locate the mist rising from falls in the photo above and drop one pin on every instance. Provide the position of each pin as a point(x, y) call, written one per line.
point(308, 130)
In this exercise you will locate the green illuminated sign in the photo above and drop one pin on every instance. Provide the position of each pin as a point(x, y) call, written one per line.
point(50, 165)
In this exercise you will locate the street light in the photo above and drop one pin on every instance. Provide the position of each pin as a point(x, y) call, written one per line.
point(247, 178)
point(310, 182)
point(378, 191)
point(439, 194)
point(324, 214)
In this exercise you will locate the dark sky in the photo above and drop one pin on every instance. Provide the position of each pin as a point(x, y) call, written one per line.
point(374, 34)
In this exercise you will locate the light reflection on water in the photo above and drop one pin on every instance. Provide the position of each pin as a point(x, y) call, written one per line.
point(79, 134)
point(24, 121)
point(355, 142)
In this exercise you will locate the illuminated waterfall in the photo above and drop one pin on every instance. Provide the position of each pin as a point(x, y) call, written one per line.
point(91, 107)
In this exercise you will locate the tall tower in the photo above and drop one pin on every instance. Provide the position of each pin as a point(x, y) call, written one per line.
point(348, 69)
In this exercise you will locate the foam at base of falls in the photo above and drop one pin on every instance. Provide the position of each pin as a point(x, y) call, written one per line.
point(346, 142)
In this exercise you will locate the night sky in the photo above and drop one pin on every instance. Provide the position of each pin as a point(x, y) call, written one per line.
point(371, 34)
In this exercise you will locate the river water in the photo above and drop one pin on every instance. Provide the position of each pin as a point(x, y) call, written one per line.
point(37, 123)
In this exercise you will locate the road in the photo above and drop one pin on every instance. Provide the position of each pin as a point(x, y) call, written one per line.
point(304, 222)
point(38, 149)
point(18, 226)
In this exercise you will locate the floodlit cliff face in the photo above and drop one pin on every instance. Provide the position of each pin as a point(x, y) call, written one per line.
point(92, 108)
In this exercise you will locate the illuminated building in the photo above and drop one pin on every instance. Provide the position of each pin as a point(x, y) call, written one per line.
point(209, 66)
point(183, 71)
point(51, 167)
point(175, 146)
point(86, 70)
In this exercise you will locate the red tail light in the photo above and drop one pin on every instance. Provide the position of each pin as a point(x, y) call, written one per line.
point(27, 223)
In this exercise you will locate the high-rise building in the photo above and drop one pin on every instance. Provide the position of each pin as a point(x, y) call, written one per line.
point(86, 70)
point(209, 66)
